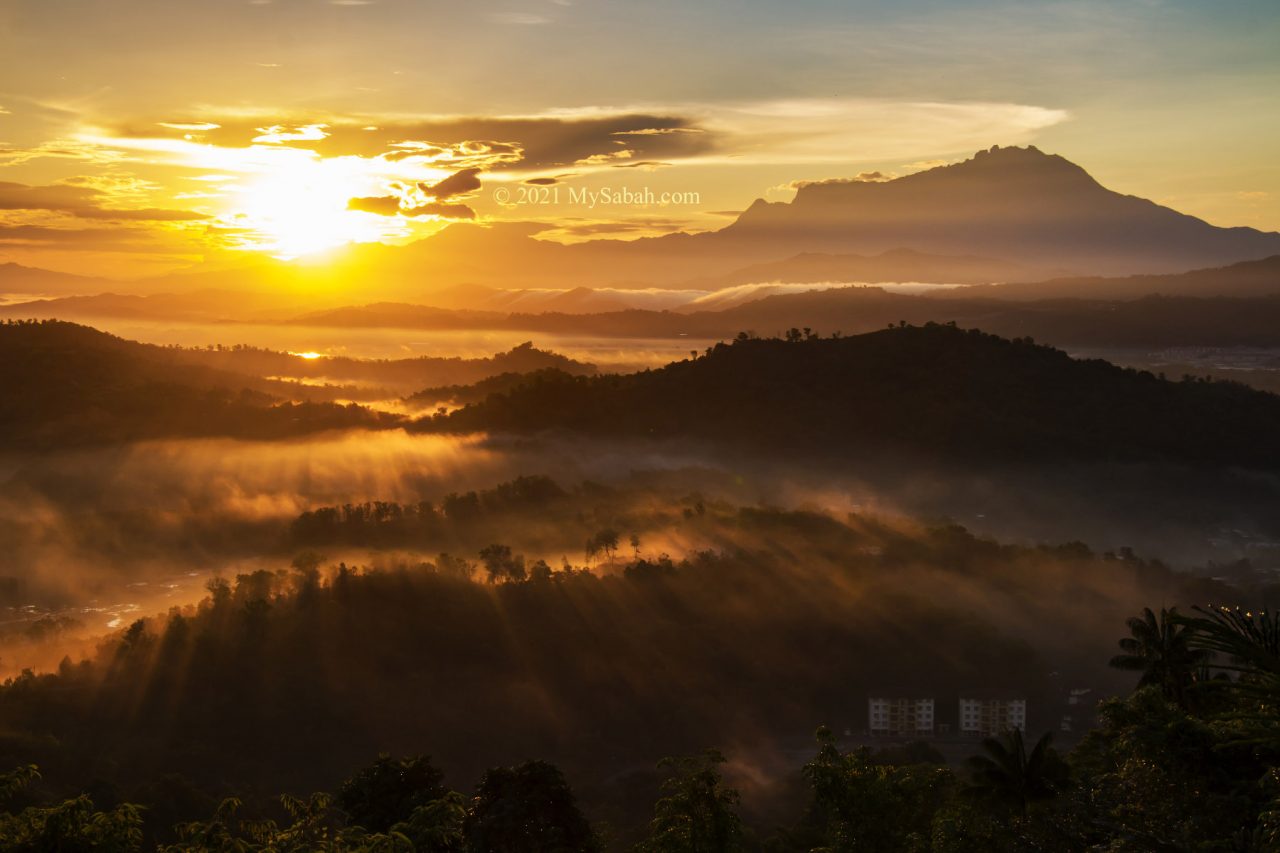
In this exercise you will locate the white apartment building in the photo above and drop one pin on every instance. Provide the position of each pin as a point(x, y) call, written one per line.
point(900, 713)
point(987, 713)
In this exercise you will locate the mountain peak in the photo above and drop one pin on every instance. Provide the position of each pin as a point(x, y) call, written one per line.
point(1019, 204)
point(1011, 168)
point(1023, 157)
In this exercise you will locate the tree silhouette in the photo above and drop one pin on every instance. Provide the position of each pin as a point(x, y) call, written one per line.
point(1160, 648)
point(697, 814)
point(1010, 775)
point(606, 542)
point(1249, 644)
point(865, 804)
point(1249, 639)
point(72, 826)
point(501, 565)
point(389, 790)
point(527, 809)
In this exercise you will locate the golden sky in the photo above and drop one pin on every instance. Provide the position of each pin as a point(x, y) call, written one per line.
point(140, 136)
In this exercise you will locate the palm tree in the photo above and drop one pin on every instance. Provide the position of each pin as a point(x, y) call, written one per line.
point(1249, 643)
point(1250, 639)
point(1161, 648)
point(1009, 774)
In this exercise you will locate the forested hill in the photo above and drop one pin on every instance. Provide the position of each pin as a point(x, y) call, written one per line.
point(933, 389)
point(62, 384)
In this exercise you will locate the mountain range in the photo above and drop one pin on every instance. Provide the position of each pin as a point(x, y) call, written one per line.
point(1004, 215)
point(1017, 204)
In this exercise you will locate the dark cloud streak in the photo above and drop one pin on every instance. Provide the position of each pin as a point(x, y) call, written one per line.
point(528, 142)
point(82, 202)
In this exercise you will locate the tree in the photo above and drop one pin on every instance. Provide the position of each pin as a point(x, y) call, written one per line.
point(501, 565)
point(1249, 643)
point(436, 827)
point(454, 567)
point(540, 571)
point(1249, 639)
point(862, 804)
point(71, 826)
point(1160, 648)
point(1165, 779)
point(698, 814)
point(605, 541)
point(390, 790)
point(1011, 776)
point(527, 809)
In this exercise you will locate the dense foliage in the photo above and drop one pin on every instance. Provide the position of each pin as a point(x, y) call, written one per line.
point(1153, 776)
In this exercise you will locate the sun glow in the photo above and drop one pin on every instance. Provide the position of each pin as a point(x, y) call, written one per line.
point(301, 209)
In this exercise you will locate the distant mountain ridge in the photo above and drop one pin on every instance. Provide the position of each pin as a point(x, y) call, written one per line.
point(1073, 314)
point(1244, 279)
point(16, 278)
point(1018, 204)
point(1026, 214)
point(892, 265)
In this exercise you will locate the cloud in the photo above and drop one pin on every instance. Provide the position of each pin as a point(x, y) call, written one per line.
point(860, 178)
point(727, 297)
point(79, 239)
point(463, 181)
point(519, 18)
point(491, 143)
point(424, 198)
point(443, 210)
point(647, 165)
point(572, 227)
point(542, 182)
point(773, 132)
point(382, 205)
point(477, 154)
point(400, 205)
point(82, 201)
point(922, 165)
point(277, 133)
point(65, 149)
point(606, 157)
point(658, 131)
point(833, 130)
point(187, 127)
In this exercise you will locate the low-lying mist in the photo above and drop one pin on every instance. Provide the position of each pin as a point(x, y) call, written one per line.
point(95, 537)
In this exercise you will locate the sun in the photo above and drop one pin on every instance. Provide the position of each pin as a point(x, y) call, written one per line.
point(301, 208)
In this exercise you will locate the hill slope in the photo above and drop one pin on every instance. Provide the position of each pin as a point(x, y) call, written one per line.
point(934, 389)
point(1245, 279)
point(63, 384)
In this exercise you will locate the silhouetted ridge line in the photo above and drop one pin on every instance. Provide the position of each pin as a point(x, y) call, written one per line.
point(933, 389)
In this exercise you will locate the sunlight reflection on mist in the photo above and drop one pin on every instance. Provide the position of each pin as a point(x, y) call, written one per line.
point(614, 354)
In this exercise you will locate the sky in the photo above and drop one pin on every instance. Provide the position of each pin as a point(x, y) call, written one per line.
point(143, 136)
